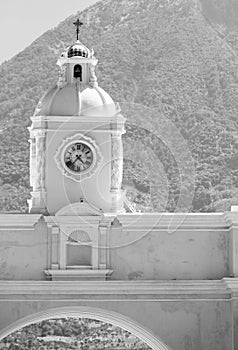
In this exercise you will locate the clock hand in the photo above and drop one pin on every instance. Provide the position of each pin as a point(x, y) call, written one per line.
point(74, 161)
point(77, 157)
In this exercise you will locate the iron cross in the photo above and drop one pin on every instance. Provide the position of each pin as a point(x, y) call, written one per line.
point(78, 24)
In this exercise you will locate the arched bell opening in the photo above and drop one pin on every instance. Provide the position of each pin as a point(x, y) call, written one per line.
point(78, 72)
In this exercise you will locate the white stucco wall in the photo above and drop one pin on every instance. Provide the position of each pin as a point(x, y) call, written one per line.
point(183, 321)
point(186, 304)
point(23, 249)
point(185, 254)
point(141, 251)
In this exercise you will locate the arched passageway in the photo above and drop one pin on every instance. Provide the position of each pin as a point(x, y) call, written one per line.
point(114, 324)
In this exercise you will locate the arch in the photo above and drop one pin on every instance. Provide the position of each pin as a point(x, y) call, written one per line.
point(103, 315)
point(79, 236)
point(78, 71)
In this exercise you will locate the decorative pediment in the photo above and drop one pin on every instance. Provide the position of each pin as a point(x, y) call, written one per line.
point(79, 209)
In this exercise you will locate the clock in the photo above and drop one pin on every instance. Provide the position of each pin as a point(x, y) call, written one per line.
point(78, 157)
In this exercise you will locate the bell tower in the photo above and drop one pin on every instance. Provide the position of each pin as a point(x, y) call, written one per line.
point(76, 163)
point(76, 147)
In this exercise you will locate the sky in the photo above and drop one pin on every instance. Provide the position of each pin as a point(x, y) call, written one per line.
point(23, 21)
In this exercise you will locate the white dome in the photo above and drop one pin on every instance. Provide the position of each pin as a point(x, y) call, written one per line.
point(69, 101)
point(78, 49)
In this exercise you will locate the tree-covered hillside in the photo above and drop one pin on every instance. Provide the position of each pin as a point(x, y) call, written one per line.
point(72, 333)
point(173, 66)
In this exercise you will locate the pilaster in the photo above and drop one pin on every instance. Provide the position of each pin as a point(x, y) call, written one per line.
point(37, 203)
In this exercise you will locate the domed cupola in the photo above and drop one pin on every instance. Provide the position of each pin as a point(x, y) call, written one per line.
point(78, 49)
point(77, 92)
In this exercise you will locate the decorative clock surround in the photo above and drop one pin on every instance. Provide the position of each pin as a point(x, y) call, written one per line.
point(64, 151)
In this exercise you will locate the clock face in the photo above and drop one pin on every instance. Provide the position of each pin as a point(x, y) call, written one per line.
point(78, 157)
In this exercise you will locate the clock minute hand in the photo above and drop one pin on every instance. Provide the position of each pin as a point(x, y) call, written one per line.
point(77, 157)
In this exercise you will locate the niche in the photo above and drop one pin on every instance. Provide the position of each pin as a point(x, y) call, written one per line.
point(78, 250)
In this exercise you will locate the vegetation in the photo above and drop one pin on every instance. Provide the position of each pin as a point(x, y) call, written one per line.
point(71, 334)
point(173, 66)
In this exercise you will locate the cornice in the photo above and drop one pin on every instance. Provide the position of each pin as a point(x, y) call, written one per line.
point(65, 60)
point(117, 117)
point(232, 218)
point(174, 221)
point(115, 290)
point(18, 221)
point(134, 221)
point(232, 286)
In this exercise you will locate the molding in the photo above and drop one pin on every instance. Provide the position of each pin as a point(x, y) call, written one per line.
point(96, 130)
point(75, 59)
point(59, 157)
point(103, 315)
point(115, 290)
point(130, 221)
point(231, 218)
point(78, 275)
point(116, 117)
point(19, 221)
point(232, 285)
point(174, 221)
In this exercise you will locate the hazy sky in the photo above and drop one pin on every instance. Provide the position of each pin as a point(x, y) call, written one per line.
point(22, 21)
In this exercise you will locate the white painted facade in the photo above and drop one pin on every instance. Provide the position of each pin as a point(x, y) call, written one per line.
point(167, 278)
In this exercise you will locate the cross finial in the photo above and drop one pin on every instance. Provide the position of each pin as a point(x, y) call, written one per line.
point(78, 24)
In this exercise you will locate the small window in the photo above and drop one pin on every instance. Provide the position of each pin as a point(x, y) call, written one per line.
point(78, 72)
point(79, 250)
point(79, 256)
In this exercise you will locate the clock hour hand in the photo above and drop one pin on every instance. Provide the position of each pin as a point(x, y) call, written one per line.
point(77, 158)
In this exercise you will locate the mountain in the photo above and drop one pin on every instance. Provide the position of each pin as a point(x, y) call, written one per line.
point(222, 15)
point(173, 66)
